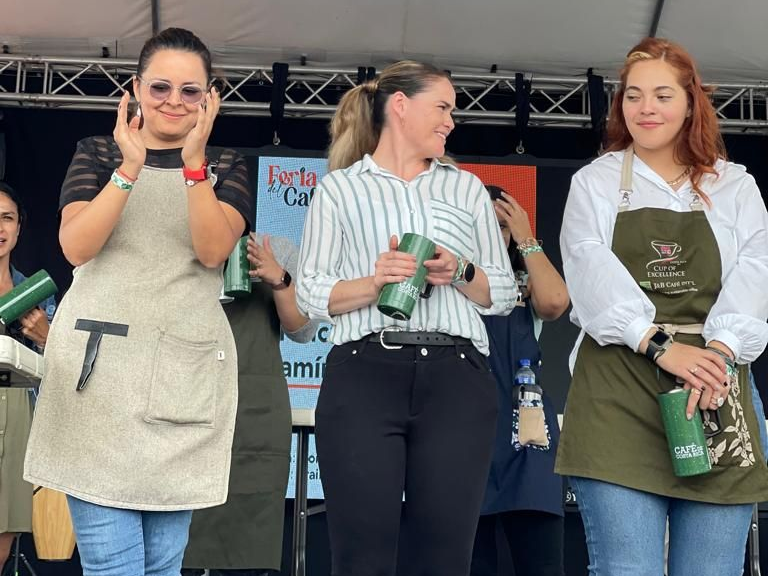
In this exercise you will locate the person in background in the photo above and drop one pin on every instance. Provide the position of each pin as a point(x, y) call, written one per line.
point(523, 494)
point(244, 537)
point(16, 403)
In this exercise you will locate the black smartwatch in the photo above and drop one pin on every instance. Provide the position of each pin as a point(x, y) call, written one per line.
point(285, 281)
point(657, 345)
point(465, 272)
point(469, 272)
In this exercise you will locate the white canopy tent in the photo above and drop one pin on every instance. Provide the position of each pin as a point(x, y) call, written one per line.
point(553, 42)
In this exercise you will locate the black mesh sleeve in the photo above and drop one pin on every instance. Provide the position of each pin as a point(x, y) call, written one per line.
point(233, 186)
point(94, 160)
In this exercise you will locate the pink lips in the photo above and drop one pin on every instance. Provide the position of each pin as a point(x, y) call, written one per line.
point(649, 125)
point(172, 116)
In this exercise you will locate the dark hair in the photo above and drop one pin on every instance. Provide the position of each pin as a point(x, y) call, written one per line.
point(359, 117)
point(175, 39)
point(515, 258)
point(6, 189)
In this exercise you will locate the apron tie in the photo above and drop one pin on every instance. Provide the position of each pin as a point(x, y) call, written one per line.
point(673, 329)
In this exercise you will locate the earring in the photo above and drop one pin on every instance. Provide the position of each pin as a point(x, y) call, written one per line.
point(139, 115)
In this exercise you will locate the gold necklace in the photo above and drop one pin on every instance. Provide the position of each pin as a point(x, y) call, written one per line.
point(680, 178)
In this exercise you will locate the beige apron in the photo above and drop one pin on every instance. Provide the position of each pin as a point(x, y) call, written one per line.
point(152, 427)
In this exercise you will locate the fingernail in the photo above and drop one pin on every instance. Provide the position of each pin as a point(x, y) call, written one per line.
point(688, 415)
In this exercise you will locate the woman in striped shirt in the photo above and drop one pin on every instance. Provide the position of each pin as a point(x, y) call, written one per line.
point(407, 406)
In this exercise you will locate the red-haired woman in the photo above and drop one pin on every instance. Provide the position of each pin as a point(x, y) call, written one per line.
point(665, 252)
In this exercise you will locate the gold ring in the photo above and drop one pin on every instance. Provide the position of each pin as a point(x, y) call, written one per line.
point(697, 390)
point(693, 370)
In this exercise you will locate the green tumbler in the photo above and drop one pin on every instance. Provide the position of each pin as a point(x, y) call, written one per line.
point(237, 281)
point(25, 296)
point(398, 300)
point(686, 439)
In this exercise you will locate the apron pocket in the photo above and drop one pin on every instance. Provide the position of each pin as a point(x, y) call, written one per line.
point(183, 385)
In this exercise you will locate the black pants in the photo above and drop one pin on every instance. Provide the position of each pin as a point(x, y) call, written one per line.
point(534, 540)
point(419, 420)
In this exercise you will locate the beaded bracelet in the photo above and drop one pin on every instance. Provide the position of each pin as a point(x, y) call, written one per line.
point(121, 182)
point(529, 246)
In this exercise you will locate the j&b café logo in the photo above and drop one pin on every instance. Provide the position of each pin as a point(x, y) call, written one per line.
point(667, 273)
point(295, 187)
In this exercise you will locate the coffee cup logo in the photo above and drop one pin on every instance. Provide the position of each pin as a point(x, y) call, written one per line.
point(667, 251)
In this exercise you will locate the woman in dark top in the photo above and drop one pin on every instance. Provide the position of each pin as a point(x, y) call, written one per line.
point(137, 407)
point(244, 537)
point(523, 493)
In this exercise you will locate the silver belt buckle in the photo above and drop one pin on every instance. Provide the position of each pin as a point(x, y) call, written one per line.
point(390, 346)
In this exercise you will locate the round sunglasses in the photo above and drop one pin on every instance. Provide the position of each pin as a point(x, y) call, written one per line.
point(161, 90)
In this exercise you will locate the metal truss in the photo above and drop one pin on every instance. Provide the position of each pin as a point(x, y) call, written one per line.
point(312, 93)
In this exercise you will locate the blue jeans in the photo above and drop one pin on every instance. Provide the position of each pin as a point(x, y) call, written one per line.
point(116, 542)
point(625, 532)
point(758, 404)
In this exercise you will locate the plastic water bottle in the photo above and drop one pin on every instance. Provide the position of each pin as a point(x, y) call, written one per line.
point(526, 379)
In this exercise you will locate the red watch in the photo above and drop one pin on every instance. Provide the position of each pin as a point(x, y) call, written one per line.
point(192, 177)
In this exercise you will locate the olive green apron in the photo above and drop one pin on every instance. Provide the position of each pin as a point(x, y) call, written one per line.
point(612, 429)
point(247, 531)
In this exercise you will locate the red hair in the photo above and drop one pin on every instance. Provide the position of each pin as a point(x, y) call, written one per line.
point(699, 143)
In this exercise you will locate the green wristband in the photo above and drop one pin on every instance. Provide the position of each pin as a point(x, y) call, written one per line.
point(528, 250)
point(121, 182)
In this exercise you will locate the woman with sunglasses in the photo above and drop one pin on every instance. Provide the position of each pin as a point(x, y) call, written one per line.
point(137, 406)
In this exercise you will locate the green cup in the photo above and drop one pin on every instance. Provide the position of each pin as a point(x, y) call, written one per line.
point(686, 439)
point(237, 281)
point(398, 300)
point(25, 296)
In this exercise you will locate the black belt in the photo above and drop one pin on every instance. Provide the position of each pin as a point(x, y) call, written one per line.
point(395, 338)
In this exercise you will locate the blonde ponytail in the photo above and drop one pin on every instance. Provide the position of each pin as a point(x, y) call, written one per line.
point(359, 117)
point(353, 134)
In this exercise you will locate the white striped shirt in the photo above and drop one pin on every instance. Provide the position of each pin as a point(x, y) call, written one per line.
point(351, 218)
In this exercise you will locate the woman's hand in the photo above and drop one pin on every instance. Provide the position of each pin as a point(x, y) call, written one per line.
point(263, 262)
point(701, 371)
point(34, 325)
point(193, 153)
point(442, 268)
point(129, 140)
point(514, 217)
point(393, 266)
